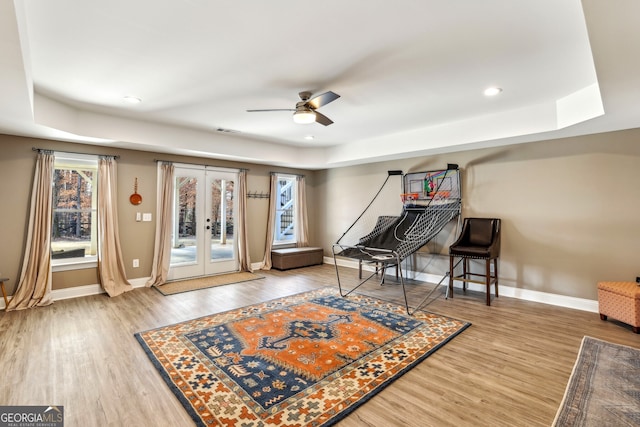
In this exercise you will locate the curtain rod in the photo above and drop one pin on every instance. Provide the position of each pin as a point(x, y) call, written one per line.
point(287, 174)
point(199, 164)
point(74, 152)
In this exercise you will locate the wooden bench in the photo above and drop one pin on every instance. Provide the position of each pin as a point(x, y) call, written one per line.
point(285, 259)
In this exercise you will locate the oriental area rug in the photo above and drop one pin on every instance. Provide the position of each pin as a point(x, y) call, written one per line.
point(604, 387)
point(179, 286)
point(304, 360)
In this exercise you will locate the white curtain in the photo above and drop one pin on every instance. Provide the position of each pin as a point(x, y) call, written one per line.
point(110, 266)
point(301, 224)
point(164, 215)
point(243, 229)
point(271, 219)
point(34, 285)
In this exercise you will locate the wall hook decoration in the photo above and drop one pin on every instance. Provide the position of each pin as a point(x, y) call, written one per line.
point(255, 195)
point(135, 198)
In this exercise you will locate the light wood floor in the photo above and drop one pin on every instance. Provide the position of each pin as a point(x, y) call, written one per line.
point(510, 368)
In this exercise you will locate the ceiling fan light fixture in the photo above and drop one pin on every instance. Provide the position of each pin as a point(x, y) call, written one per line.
point(305, 111)
point(304, 117)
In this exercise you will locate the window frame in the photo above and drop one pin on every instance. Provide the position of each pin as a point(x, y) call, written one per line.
point(73, 162)
point(279, 211)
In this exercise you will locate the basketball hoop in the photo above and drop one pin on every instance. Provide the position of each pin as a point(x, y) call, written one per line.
point(409, 197)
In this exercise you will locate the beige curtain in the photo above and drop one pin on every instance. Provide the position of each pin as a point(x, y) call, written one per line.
point(301, 224)
point(243, 229)
point(34, 285)
point(164, 218)
point(110, 266)
point(271, 220)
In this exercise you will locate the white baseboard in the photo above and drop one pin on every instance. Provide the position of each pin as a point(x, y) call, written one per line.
point(76, 292)
point(507, 291)
point(84, 291)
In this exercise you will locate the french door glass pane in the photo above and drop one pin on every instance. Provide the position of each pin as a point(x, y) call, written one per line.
point(184, 248)
point(221, 215)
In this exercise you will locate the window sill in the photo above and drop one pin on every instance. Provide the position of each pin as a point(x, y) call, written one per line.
point(74, 264)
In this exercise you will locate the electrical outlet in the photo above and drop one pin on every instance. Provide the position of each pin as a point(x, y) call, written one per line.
point(136, 263)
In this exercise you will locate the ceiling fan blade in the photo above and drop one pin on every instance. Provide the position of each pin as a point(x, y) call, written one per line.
point(322, 99)
point(271, 109)
point(322, 119)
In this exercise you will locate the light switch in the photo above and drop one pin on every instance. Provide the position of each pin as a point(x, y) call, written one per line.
point(138, 216)
point(146, 217)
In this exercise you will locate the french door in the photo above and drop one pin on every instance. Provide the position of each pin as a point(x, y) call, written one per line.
point(204, 217)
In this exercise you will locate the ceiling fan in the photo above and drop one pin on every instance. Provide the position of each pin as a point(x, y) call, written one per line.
point(305, 111)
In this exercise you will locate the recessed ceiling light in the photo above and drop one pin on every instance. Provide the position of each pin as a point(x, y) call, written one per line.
point(132, 99)
point(309, 137)
point(492, 91)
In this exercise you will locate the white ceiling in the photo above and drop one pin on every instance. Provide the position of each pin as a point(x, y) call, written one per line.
point(410, 74)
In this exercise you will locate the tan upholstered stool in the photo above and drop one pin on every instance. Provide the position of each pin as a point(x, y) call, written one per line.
point(621, 301)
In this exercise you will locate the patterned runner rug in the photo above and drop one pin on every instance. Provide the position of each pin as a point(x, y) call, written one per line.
point(179, 286)
point(604, 387)
point(304, 360)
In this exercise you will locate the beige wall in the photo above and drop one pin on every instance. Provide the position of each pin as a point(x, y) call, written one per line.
point(17, 162)
point(570, 207)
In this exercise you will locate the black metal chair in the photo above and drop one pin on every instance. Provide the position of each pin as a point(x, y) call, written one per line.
point(479, 239)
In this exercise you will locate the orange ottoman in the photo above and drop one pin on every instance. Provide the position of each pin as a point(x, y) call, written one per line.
point(621, 301)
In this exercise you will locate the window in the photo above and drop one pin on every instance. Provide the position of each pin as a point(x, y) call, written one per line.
point(74, 225)
point(284, 230)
